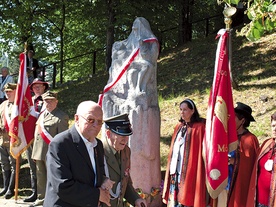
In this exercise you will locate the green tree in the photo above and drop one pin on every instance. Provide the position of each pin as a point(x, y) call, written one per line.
point(262, 16)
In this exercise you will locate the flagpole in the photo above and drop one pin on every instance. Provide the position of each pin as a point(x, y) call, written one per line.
point(17, 169)
point(228, 12)
point(16, 178)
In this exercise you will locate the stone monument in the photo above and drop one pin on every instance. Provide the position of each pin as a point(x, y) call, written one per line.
point(132, 89)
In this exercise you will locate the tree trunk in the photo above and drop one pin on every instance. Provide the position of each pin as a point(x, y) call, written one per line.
point(185, 19)
point(62, 42)
point(109, 32)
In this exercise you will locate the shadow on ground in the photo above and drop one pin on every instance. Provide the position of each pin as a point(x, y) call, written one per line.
point(24, 184)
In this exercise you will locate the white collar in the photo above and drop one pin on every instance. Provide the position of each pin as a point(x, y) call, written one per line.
point(86, 142)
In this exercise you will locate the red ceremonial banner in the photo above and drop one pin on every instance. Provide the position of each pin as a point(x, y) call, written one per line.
point(23, 115)
point(221, 136)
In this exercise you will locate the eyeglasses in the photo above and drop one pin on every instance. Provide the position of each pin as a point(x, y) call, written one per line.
point(92, 121)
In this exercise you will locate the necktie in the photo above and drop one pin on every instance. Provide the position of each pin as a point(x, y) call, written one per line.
point(118, 157)
point(46, 114)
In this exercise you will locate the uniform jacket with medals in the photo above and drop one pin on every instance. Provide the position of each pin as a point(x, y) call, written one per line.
point(122, 175)
point(54, 122)
point(5, 110)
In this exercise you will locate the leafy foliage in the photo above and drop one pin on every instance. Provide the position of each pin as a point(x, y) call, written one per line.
point(262, 16)
point(69, 32)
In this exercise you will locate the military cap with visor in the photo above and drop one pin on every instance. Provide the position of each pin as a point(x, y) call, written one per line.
point(119, 124)
point(49, 95)
point(10, 86)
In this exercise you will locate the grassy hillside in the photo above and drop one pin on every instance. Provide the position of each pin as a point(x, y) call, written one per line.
point(188, 72)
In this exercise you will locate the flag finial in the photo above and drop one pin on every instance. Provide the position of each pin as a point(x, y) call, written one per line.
point(228, 12)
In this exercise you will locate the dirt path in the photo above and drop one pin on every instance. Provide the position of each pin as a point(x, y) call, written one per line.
point(12, 203)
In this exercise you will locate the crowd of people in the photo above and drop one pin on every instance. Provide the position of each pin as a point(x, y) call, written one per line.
point(50, 121)
point(57, 154)
point(72, 167)
point(252, 168)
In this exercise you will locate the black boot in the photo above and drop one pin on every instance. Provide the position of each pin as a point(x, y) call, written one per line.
point(6, 181)
point(33, 196)
point(10, 192)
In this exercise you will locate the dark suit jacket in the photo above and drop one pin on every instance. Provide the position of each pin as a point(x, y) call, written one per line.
point(120, 174)
point(35, 66)
point(70, 175)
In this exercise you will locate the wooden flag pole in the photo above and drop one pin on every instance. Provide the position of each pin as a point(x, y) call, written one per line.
point(16, 178)
point(215, 202)
point(228, 12)
point(18, 158)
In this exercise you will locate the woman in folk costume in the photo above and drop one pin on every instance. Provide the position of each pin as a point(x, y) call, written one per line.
point(262, 189)
point(244, 158)
point(184, 183)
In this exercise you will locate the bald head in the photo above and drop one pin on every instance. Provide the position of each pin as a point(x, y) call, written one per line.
point(86, 106)
point(88, 119)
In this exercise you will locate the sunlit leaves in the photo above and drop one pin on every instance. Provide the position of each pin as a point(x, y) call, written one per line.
point(262, 14)
point(234, 2)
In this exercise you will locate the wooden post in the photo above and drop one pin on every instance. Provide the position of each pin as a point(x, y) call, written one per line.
point(215, 202)
point(16, 177)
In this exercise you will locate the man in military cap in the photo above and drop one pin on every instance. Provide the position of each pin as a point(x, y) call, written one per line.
point(51, 122)
point(8, 163)
point(117, 154)
point(38, 87)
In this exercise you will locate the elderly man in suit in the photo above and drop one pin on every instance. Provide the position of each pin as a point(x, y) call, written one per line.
point(75, 162)
point(51, 122)
point(4, 79)
point(117, 154)
point(32, 65)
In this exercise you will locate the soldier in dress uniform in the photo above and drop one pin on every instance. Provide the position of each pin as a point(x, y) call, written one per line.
point(117, 155)
point(8, 163)
point(38, 87)
point(51, 122)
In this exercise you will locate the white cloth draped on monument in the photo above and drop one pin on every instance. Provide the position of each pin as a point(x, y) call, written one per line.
point(132, 89)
